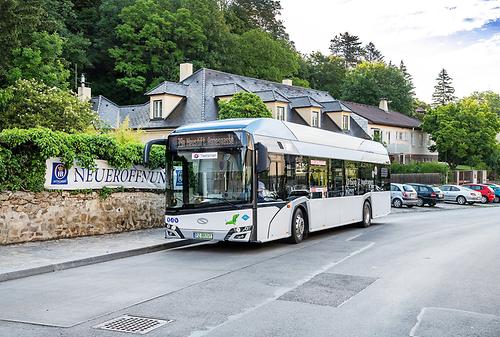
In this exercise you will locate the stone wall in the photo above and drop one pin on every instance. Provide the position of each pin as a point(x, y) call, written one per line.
point(28, 216)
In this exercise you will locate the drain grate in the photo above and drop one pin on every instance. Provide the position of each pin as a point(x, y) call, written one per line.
point(133, 324)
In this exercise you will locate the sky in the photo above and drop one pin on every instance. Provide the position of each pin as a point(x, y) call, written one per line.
point(462, 36)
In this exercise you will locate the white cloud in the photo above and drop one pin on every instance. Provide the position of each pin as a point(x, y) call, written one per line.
point(419, 32)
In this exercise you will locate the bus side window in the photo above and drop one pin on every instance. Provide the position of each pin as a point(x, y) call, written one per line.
point(352, 178)
point(336, 178)
point(366, 178)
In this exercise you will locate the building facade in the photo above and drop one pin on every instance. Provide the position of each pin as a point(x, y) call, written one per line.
point(195, 98)
point(402, 135)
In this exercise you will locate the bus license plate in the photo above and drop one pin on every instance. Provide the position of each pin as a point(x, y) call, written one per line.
point(203, 236)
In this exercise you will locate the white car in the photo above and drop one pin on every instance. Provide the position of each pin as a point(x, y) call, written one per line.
point(460, 194)
point(402, 194)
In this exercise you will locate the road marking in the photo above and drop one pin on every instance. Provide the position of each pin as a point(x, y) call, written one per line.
point(419, 320)
point(279, 293)
point(354, 237)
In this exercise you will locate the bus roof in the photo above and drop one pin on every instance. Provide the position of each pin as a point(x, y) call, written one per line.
point(292, 138)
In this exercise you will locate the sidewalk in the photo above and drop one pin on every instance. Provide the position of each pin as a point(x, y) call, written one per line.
point(33, 258)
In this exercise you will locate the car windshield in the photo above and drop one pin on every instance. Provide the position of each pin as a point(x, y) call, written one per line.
point(436, 189)
point(218, 177)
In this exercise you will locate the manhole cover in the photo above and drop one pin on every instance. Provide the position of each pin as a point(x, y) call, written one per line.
point(132, 324)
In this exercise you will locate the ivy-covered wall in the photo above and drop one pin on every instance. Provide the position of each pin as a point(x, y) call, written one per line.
point(23, 154)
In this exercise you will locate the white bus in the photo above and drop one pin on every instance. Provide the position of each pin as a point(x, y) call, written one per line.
point(257, 180)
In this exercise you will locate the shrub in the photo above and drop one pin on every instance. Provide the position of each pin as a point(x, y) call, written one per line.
point(244, 105)
point(23, 153)
point(428, 167)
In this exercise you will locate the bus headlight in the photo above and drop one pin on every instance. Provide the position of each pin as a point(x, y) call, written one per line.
point(243, 229)
point(173, 227)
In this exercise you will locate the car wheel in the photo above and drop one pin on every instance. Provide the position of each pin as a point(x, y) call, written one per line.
point(420, 202)
point(461, 200)
point(497, 199)
point(484, 200)
point(397, 203)
point(298, 226)
point(367, 215)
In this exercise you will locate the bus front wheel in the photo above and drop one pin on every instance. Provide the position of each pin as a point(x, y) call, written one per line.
point(367, 215)
point(298, 226)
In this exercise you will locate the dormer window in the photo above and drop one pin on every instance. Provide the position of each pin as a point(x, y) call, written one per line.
point(157, 109)
point(280, 113)
point(345, 123)
point(315, 119)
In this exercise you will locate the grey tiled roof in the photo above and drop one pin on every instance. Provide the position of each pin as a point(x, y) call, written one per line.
point(303, 102)
point(109, 112)
point(271, 96)
point(334, 106)
point(178, 89)
point(227, 89)
point(378, 116)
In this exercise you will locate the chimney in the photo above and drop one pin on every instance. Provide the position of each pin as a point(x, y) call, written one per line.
point(84, 92)
point(185, 70)
point(384, 104)
point(287, 81)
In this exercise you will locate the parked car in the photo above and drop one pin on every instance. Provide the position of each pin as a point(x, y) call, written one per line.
point(496, 188)
point(460, 194)
point(487, 193)
point(428, 194)
point(402, 194)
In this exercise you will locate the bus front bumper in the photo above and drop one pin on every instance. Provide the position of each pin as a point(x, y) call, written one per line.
point(236, 235)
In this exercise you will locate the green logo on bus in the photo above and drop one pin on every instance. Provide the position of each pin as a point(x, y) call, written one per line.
point(233, 220)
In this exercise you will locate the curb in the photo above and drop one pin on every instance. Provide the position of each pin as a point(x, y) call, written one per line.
point(92, 260)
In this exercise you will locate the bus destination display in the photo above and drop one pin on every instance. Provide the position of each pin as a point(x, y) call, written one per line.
point(210, 140)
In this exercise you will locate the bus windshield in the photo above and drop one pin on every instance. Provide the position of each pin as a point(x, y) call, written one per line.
point(214, 178)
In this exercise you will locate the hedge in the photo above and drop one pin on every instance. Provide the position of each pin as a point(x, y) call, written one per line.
point(428, 167)
point(23, 153)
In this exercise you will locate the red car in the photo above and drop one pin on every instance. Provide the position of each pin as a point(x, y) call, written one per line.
point(487, 193)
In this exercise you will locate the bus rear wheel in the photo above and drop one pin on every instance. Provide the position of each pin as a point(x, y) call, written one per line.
point(298, 226)
point(367, 215)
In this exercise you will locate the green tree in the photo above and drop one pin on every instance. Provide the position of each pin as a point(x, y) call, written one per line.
point(372, 54)
point(464, 132)
point(28, 103)
point(18, 21)
point(244, 105)
point(256, 54)
point(368, 82)
point(348, 47)
point(443, 90)
point(246, 15)
point(41, 60)
point(153, 41)
point(492, 99)
point(211, 19)
point(407, 75)
point(324, 72)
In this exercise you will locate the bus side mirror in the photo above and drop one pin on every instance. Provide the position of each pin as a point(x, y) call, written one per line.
point(149, 145)
point(262, 156)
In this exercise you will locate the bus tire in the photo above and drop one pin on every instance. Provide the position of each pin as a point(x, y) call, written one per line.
point(298, 225)
point(367, 215)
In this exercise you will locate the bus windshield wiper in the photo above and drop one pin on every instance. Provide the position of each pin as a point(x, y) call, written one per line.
point(222, 199)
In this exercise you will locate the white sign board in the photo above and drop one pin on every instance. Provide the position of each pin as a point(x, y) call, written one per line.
point(58, 177)
point(204, 155)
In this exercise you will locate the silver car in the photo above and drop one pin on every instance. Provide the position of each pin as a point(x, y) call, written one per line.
point(402, 194)
point(460, 194)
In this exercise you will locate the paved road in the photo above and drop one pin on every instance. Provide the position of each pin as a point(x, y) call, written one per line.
point(425, 274)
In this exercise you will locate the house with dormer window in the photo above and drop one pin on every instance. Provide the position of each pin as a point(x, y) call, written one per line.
point(195, 99)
